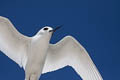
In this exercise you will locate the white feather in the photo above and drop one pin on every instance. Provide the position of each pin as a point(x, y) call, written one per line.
point(12, 43)
point(70, 52)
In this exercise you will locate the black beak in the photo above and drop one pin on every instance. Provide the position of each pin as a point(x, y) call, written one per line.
point(58, 27)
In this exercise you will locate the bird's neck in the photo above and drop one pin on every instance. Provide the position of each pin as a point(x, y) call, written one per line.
point(41, 41)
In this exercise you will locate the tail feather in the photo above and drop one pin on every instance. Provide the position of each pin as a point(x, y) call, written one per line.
point(32, 77)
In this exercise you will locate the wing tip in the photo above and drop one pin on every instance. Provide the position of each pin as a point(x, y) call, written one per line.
point(4, 18)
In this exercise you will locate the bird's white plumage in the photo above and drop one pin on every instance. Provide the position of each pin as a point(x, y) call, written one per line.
point(35, 53)
point(12, 43)
point(70, 52)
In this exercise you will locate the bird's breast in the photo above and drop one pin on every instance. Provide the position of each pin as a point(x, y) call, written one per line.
point(37, 54)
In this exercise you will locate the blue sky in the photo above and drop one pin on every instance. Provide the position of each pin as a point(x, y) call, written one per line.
point(94, 23)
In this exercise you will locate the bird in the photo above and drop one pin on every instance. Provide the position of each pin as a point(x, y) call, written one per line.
point(36, 55)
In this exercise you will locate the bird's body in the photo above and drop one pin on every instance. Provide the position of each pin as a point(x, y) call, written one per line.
point(37, 56)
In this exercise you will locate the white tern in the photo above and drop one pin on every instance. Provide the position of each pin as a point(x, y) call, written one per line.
point(37, 56)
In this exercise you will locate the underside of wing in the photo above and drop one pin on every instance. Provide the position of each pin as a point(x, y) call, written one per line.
point(12, 43)
point(70, 52)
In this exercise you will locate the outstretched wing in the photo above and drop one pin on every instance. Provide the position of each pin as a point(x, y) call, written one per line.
point(12, 43)
point(69, 52)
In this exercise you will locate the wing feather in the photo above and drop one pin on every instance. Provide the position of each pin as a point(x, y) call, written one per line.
point(12, 43)
point(70, 52)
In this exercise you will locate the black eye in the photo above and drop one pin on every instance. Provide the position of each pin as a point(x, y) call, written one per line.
point(45, 28)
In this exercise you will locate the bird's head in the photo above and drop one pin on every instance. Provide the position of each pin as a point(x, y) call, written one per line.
point(47, 31)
